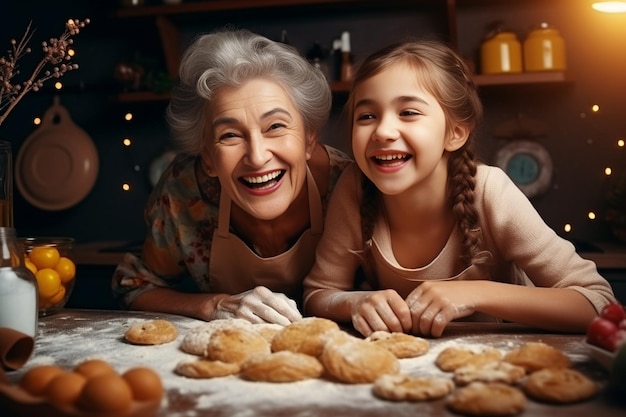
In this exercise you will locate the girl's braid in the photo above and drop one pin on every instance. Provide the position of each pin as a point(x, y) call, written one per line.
point(461, 183)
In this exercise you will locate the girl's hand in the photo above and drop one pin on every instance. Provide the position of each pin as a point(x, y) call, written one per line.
point(380, 310)
point(434, 304)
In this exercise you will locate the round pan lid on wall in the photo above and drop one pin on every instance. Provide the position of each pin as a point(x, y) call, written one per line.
point(58, 164)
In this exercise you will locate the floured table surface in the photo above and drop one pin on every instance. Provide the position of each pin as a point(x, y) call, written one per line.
point(72, 336)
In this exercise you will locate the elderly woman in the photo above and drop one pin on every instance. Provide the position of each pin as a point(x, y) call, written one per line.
point(234, 221)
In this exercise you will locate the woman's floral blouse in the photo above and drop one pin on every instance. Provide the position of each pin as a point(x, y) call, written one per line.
point(181, 215)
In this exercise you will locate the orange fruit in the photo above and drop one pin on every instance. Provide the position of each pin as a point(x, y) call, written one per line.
point(30, 266)
point(66, 269)
point(64, 389)
point(92, 368)
point(58, 297)
point(44, 256)
point(145, 383)
point(48, 282)
point(106, 394)
point(36, 379)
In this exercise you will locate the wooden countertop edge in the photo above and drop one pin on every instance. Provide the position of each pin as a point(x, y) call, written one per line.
point(92, 254)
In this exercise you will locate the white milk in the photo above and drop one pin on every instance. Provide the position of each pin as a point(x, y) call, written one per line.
point(18, 303)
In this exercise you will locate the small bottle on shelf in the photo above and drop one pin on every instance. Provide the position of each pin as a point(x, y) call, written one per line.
point(346, 57)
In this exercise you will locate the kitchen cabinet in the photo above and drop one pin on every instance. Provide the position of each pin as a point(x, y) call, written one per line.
point(166, 16)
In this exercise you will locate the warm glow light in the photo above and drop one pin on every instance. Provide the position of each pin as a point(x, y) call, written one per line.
point(591, 215)
point(128, 116)
point(37, 121)
point(567, 227)
point(610, 6)
point(621, 143)
point(127, 141)
point(58, 85)
point(595, 108)
point(71, 52)
point(126, 187)
point(608, 171)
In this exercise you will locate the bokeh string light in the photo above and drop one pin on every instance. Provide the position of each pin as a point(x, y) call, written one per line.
point(610, 172)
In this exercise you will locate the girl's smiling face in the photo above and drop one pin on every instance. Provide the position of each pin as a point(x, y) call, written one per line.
point(257, 146)
point(400, 138)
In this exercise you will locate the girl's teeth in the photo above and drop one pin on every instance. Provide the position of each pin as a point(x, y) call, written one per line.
point(390, 157)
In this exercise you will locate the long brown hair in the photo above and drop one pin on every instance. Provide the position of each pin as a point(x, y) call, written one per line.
point(444, 74)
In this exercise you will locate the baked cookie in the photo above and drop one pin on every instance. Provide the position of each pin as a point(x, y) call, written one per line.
point(402, 387)
point(355, 361)
point(267, 330)
point(304, 336)
point(236, 345)
point(202, 368)
point(282, 366)
point(487, 399)
point(559, 385)
point(151, 332)
point(400, 344)
point(533, 356)
point(496, 371)
point(197, 339)
point(453, 357)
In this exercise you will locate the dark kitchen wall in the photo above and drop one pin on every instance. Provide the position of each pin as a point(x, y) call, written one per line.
point(581, 143)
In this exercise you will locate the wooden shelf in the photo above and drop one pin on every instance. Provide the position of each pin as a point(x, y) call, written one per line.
point(170, 36)
point(227, 5)
point(523, 78)
point(141, 96)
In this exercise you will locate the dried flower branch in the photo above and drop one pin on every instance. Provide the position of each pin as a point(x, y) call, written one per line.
point(57, 57)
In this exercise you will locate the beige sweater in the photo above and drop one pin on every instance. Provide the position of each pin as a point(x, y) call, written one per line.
point(524, 250)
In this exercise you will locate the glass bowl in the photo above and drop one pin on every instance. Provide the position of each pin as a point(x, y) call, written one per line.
point(52, 262)
point(602, 356)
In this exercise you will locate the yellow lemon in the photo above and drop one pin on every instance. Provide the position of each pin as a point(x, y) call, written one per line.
point(48, 282)
point(44, 257)
point(66, 269)
point(30, 266)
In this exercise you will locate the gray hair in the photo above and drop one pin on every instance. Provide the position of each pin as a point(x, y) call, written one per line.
point(231, 58)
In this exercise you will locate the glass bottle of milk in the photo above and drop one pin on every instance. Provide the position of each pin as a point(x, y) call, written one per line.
point(18, 286)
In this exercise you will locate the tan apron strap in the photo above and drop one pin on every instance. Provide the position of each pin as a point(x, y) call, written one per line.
point(315, 204)
point(223, 222)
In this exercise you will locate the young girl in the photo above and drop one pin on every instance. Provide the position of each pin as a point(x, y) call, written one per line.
point(439, 236)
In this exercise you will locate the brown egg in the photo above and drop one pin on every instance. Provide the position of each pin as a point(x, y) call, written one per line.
point(36, 379)
point(144, 383)
point(108, 392)
point(64, 389)
point(94, 367)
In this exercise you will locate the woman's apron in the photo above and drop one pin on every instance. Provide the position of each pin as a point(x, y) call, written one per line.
point(235, 268)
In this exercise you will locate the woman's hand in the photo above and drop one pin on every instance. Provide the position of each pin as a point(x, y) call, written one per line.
point(434, 304)
point(259, 305)
point(380, 310)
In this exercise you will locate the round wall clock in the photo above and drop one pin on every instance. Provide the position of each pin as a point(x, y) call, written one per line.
point(528, 164)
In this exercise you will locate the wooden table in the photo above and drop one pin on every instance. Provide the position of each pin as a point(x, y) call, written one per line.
point(72, 336)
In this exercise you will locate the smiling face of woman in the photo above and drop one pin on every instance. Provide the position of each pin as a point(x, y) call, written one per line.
point(257, 146)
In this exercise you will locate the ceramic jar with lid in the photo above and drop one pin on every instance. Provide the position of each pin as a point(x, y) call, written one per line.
point(544, 50)
point(501, 53)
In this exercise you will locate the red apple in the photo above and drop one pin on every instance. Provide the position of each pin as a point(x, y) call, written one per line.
point(614, 312)
point(600, 331)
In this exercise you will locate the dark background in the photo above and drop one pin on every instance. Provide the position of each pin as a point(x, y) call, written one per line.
point(581, 143)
